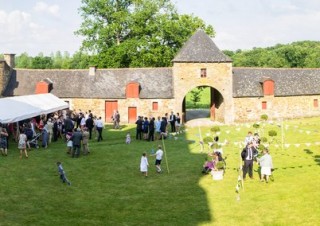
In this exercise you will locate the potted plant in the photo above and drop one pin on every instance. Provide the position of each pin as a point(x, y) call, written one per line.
point(217, 174)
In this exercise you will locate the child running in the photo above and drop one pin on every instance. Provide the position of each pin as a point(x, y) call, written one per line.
point(62, 174)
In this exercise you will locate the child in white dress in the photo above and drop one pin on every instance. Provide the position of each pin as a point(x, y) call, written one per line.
point(128, 138)
point(144, 164)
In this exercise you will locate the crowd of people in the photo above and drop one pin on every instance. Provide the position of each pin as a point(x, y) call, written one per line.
point(151, 129)
point(250, 154)
point(76, 128)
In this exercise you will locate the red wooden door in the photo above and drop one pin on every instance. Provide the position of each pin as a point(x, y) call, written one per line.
point(111, 106)
point(212, 112)
point(132, 114)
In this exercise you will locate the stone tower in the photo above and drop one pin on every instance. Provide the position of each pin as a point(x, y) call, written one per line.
point(201, 63)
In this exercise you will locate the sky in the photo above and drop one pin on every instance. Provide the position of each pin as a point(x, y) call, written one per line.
point(48, 26)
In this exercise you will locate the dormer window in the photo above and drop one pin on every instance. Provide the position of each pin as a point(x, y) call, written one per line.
point(268, 87)
point(203, 73)
point(132, 90)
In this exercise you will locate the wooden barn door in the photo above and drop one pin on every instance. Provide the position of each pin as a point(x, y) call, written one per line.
point(109, 108)
point(132, 114)
point(212, 105)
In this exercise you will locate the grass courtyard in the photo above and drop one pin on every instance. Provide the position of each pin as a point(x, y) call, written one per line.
point(108, 189)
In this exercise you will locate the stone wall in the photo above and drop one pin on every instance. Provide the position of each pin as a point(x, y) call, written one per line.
point(4, 75)
point(186, 76)
point(1, 76)
point(144, 106)
point(250, 109)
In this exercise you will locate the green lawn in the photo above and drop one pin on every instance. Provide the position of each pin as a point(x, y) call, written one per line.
point(108, 189)
point(204, 100)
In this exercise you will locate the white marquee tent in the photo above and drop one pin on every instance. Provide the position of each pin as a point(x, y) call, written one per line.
point(14, 109)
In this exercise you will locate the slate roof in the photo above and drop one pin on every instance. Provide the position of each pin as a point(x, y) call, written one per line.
point(107, 83)
point(247, 82)
point(200, 49)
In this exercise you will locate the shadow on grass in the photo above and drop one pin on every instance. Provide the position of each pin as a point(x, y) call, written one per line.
point(316, 157)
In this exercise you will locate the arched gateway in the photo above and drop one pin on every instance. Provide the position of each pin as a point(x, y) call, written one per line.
point(201, 63)
point(215, 109)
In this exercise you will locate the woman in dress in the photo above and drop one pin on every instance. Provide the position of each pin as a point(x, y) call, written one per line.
point(22, 144)
point(266, 165)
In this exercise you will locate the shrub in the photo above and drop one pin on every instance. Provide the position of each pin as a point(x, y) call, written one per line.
point(220, 165)
point(264, 117)
point(256, 125)
point(264, 139)
point(207, 140)
point(272, 133)
point(215, 129)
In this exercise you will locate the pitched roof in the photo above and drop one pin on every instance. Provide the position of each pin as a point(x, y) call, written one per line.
point(201, 49)
point(107, 83)
point(247, 82)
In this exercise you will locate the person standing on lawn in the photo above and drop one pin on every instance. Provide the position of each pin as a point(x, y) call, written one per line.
point(144, 164)
point(247, 155)
point(159, 155)
point(22, 144)
point(266, 165)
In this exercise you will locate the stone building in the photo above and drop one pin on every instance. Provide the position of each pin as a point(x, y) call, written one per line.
point(237, 94)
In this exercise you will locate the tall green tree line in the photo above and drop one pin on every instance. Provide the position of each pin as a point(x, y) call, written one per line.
point(303, 54)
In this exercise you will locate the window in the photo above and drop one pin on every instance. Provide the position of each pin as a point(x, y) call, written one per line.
point(154, 106)
point(203, 73)
point(264, 105)
point(268, 87)
point(132, 90)
point(315, 103)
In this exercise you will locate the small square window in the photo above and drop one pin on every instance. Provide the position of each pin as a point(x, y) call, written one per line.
point(264, 105)
point(315, 103)
point(154, 106)
point(203, 73)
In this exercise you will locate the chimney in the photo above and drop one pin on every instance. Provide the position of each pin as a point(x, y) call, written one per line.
point(9, 58)
point(92, 70)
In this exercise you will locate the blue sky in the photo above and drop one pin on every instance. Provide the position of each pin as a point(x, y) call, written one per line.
point(48, 26)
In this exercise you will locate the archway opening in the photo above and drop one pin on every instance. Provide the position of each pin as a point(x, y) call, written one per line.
point(202, 102)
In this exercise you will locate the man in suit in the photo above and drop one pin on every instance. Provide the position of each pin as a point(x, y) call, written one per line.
point(90, 125)
point(172, 121)
point(248, 154)
point(139, 128)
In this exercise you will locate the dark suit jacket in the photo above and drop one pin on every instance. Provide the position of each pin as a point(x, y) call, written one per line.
point(245, 153)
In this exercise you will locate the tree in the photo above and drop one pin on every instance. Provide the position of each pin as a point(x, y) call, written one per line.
point(23, 61)
point(195, 96)
point(135, 33)
point(42, 62)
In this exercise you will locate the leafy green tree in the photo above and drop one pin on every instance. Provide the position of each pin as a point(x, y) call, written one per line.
point(42, 62)
point(195, 96)
point(295, 55)
point(135, 33)
point(23, 61)
point(79, 60)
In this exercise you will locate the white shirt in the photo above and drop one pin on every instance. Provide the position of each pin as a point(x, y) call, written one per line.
point(99, 123)
point(83, 121)
point(159, 154)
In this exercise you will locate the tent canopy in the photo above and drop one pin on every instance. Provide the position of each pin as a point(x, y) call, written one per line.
point(14, 109)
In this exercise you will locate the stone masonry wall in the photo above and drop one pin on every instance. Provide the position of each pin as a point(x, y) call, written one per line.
point(277, 107)
point(4, 76)
point(144, 107)
point(1, 76)
point(186, 76)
